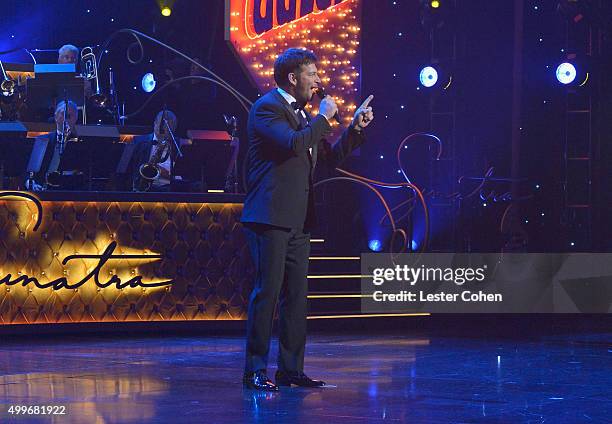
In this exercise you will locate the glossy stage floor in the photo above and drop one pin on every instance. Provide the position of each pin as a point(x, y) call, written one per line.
point(407, 375)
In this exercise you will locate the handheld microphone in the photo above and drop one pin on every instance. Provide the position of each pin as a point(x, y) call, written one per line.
point(321, 93)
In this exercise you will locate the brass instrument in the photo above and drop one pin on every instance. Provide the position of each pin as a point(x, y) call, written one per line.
point(90, 73)
point(54, 179)
point(7, 86)
point(150, 171)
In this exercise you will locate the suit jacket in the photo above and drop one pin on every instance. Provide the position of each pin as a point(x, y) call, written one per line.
point(140, 153)
point(279, 165)
point(41, 175)
point(50, 140)
point(142, 150)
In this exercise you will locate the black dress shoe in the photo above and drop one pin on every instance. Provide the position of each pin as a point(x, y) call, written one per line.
point(298, 378)
point(258, 380)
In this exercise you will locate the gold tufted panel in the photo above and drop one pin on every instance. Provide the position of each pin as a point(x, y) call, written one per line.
point(202, 247)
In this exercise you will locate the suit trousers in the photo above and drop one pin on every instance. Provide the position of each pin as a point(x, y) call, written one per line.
point(281, 264)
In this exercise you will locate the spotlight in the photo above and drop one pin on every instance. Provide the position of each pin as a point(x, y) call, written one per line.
point(435, 4)
point(148, 82)
point(428, 76)
point(566, 73)
point(574, 69)
point(436, 76)
point(375, 245)
point(165, 7)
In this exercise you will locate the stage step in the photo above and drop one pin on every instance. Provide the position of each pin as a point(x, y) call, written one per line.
point(320, 264)
point(332, 304)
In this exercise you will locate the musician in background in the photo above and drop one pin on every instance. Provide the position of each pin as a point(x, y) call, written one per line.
point(51, 159)
point(146, 151)
point(71, 118)
point(68, 54)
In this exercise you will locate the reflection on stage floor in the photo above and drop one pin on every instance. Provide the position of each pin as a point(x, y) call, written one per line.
point(373, 378)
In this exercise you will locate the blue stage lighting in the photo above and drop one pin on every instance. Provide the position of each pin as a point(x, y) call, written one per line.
point(414, 246)
point(566, 73)
point(428, 76)
point(148, 82)
point(375, 245)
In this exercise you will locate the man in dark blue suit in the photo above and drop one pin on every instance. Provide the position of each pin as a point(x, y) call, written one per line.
point(279, 211)
point(48, 144)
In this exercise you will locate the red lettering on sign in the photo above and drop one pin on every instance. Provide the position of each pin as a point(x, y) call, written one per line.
point(262, 16)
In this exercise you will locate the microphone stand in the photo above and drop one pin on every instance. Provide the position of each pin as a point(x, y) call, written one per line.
point(175, 149)
point(122, 115)
point(113, 96)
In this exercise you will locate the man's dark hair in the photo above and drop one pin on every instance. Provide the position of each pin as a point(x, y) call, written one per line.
point(170, 116)
point(290, 61)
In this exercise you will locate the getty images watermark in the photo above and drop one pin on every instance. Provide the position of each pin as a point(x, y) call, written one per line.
point(481, 283)
point(423, 274)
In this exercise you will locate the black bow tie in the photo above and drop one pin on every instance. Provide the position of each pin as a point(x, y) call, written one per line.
point(297, 106)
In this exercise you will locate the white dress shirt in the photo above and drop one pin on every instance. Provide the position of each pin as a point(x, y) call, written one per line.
point(290, 99)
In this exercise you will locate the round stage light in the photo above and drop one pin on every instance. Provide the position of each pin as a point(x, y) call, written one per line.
point(566, 73)
point(428, 76)
point(435, 4)
point(148, 82)
point(375, 245)
point(166, 11)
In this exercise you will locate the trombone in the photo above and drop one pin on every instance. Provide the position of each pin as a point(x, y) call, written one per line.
point(7, 86)
point(90, 73)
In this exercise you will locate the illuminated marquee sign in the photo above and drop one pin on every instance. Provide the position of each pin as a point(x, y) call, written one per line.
point(84, 261)
point(259, 30)
point(263, 15)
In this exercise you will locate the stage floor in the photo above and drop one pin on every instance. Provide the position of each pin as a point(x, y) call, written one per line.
point(375, 378)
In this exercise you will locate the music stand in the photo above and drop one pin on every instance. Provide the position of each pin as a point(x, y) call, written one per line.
point(94, 158)
point(104, 154)
point(205, 161)
point(14, 151)
point(10, 130)
point(51, 85)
